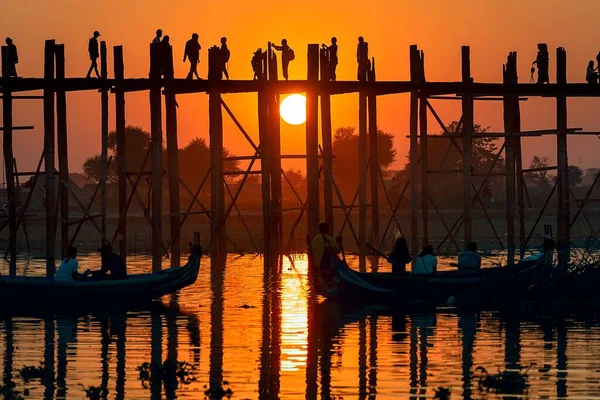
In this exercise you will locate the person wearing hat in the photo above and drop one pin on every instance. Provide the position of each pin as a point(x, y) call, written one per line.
point(113, 267)
point(94, 54)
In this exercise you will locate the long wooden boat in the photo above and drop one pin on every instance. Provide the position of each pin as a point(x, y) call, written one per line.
point(352, 286)
point(24, 292)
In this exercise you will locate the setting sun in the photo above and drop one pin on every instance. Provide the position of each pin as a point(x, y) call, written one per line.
point(293, 109)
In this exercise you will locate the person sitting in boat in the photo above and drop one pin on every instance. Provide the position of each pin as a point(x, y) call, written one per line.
point(113, 267)
point(400, 256)
point(69, 268)
point(469, 261)
point(319, 244)
point(426, 263)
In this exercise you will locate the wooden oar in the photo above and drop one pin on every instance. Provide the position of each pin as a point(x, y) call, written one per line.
point(425, 284)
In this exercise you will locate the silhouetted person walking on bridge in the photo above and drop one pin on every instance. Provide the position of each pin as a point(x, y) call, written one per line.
point(542, 60)
point(94, 54)
point(362, 58)
point(256, 62)
point(192, 52)
point(332, 57)
point(225, 54)
point(157, 37)
point(287, 55)
point(10, 59)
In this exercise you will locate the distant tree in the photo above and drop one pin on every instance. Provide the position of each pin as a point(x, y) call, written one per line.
point(194, 161)
point(589, 176)
point(295, 177)
point(574, 175)
point(137, 141)
point(447, 189)
point(345, 153)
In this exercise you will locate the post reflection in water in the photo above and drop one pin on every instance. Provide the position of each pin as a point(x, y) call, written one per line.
point(217, 271)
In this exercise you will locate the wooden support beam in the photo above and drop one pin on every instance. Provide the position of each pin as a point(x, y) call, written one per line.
point(217, 221)
point(119, 71)
point(10, 179)
point(362, 179)
point(424, 155)
point(374, 163)
point(156, 151)
point(18, 203)
point(173, 169)
point(510, 77)
point(50, 191)
point(87, 210)
point(564, 215)
point(312, 142)
point(413, 153)
point(275, 159)
point(20, 128)
point(103, 134)
point(63, 150)
point(467, 112)
point(326, 138)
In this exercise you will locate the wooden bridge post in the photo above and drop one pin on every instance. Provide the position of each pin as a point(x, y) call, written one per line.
point(413, 152)
point(564, 215)
point(510, 77)
point(7, 138)
point(61, 142)
point(217, 211)
point(275, 158)
point(362, 177)
point(104, 135)
point(424, 158)
point(265, 165)
point(50, 192)
point(326, 138)
point(467, 110)
point(121, 157)
point(156, 63)
point(374, 155)
point(312, 141)
point(173, 165)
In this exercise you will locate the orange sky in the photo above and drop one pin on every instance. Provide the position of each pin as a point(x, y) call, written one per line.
point(491, 28)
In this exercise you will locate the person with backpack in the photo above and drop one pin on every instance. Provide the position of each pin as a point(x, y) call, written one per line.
point(192, 53)
point(225, 54)
point(287, 55)
point(256, 62)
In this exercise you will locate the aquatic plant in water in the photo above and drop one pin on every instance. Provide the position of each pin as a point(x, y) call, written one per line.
point(504, 382)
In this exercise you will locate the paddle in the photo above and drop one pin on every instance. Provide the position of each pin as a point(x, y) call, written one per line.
point(425, 284)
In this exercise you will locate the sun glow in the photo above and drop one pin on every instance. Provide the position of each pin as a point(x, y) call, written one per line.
point(293, 109)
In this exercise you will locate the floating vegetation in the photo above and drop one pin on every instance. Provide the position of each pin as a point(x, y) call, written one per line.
point(171, 373)
point(504, 382)
point(93, 392)
point(9, 391)
point(41, 372)
point(218, 392)
point(441, 393)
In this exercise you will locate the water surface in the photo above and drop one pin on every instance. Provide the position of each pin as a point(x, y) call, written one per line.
point(268, 338)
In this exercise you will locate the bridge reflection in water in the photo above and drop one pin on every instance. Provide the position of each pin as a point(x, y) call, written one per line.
point(267, 335)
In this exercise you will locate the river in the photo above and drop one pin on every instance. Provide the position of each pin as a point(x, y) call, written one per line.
point(236, 338)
